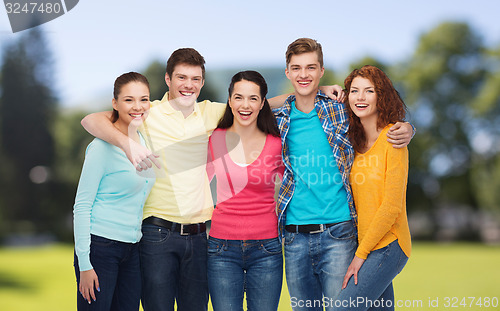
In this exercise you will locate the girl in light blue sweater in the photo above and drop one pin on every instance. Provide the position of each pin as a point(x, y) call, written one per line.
point(108, 208)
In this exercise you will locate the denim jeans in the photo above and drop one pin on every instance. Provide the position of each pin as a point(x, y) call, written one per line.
point(316, 263)
point(374, 290)
point(118, 271)
point(174, 268)
point(236, 266)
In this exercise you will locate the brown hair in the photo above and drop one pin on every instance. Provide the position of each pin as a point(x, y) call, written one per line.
point(188, 56)
point(304, 45)
point(123, 80)
point(265, 120)
point(390, 106)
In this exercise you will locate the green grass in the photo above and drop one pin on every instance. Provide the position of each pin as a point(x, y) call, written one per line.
point(42, 279)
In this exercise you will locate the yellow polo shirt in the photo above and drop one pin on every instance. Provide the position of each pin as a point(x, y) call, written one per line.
point(181, 193)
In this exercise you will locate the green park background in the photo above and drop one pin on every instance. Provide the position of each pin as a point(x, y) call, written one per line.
point(450, 82)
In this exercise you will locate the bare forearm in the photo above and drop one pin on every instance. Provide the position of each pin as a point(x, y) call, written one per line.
point(99, 125)
point(278, 101)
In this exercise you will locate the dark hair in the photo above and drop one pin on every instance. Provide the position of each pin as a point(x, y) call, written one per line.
point(390, 106)
point(188, 56)
point(265, 120)
point(123, 80)
point(304, 45)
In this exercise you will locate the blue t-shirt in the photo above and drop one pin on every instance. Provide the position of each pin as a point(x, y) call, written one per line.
point(319, 196)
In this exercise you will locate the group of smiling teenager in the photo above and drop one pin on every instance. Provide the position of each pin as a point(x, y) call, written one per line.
point(342, 226)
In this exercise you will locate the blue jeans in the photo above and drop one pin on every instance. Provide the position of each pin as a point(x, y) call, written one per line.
point(118, 271)
point(174, 268)
point(374, 290)
point(316, 263)
point(236, 266)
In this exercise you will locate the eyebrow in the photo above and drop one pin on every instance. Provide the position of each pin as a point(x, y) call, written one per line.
point(308, 65)
point(185, 75)
point(253, 95)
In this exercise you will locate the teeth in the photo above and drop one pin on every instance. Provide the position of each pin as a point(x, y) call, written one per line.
point(361, 106)
point(245, 113)
point(301, 82)
point(187, 93)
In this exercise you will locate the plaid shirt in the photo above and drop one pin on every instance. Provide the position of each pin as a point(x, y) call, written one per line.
point(334, 119)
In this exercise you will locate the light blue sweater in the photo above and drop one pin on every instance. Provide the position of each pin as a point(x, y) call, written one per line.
point(109, 199)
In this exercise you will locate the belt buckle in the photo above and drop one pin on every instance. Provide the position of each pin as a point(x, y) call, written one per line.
point(182, 230)
point(321, 229)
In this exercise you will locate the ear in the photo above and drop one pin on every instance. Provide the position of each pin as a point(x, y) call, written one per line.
point(262, 104)
point(287, 73)
point(322, 72)
point(167, 80)
point(115, 104)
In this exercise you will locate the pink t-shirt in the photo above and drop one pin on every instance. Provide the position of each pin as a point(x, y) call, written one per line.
point(245, 208)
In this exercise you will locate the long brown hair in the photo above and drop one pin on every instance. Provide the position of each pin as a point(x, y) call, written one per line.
point(265, 120)
point(390, 106)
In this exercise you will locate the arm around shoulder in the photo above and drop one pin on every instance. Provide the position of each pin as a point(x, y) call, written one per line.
point(99, 125)
point(400, 134)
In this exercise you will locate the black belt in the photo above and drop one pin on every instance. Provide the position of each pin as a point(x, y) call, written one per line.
point(183, 229)
point(307, 228)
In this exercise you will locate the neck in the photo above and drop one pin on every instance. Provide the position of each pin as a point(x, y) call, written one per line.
point(245, 132)
point(305, 103)
point(371, 129)
point(127, 129)
point(181, 105)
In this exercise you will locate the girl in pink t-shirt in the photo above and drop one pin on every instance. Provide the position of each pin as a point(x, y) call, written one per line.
point(244, 253)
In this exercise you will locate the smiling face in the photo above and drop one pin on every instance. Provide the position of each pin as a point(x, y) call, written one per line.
point(304, 71)
point(363, 98)
point(132, 104)
point(246, 103)
point(184, 86)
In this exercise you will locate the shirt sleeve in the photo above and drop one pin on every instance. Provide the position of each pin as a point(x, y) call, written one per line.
point(210, 161)
point(396, 177)
point(213, 113)
point(92, 173)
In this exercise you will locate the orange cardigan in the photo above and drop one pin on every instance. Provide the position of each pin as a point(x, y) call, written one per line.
point(378, 179)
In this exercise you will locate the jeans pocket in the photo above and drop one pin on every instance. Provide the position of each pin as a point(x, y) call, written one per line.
point(289, 237)
point(154, 234)
point(101, 241)
point(342, 231)
point(271, 247)
point(214, 246)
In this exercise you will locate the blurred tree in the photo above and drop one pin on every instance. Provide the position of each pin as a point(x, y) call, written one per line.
point(27, 106)
point(155, 72)
point(367, 60)
point(71, 141)
point(486, 136)
point(441, 82)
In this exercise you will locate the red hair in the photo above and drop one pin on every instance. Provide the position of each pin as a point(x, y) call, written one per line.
point(390, 106)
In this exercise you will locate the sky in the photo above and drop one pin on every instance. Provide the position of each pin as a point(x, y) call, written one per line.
point(98, 40)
